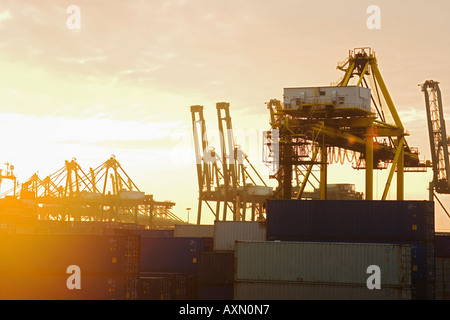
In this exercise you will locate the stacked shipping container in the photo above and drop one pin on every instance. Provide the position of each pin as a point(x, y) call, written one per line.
point(216, 276)
point(442, 254)
point(395, 222)
point(226, 233)
point(307, 270)
point(69, 266)
point(169, 267)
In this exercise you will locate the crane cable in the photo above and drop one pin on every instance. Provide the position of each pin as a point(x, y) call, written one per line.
point(435, 195)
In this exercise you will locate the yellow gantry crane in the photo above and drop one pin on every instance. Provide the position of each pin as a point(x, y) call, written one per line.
point(227, 177)
point(352, 116)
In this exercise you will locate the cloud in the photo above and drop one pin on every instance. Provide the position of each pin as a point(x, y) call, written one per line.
point(5, 15)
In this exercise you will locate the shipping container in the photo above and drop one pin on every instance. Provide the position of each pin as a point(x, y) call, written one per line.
point(162, 286)
point(227, 232)
point(191, 287)
point(154, 288)
point(216, 269)
point(215, 292)
point(53, 286)
point(69, 266)
point(54, 253)
point(400, 222)
point(282, 290)
point(194, 230)
point(338, 263)
point(442, 278)
point(293, 220)
point(154, 232)
point(170, 254)
point(442, 244)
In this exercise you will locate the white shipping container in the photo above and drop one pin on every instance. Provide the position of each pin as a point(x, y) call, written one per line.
point(226, 233)
point(273, 290)
point(194, 230)
point(322, 262)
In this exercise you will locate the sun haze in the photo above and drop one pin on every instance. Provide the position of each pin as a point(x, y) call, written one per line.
point(120, 79)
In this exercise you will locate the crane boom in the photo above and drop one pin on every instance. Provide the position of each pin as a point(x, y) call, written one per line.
point(438, 137)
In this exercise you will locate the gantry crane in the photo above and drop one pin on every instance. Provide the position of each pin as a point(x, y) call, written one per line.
point(438, 140)
point(71, 194)
point(306, 121)
point(9, 175)
point(226, 177)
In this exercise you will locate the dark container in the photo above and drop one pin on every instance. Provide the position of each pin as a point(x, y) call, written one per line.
point(350, 219)
point(154, 288)
point(154, 232)
point(216, 269)
point(209, 244)
point(215, 292)
point(36, 266)
point(170, 254)
point(54, 253)
point(191, 287)
point(442, 245)
point(163, 286)
point(44, 286)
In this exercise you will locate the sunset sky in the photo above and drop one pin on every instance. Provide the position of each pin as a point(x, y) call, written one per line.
point(123, 83)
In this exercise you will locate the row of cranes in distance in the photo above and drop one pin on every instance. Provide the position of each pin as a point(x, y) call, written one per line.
point(354, 119)
point(106, 193)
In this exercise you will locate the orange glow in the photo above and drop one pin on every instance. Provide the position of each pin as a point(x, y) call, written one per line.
point(123, 82)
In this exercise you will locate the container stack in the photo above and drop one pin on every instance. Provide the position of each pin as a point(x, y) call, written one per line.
point(320, 271)
point(68, 266)
point(168, 266)
point(226, 233)
point(442, 254)
point(216, 276)
point(216, 267)
point(391, 222)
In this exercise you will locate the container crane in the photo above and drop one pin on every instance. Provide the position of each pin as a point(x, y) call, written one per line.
point(106, 193)
point(352, 116)
point(438, 140)
point(226, 177)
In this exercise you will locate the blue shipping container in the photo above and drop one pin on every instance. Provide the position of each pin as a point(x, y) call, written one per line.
point(169, 254)
point(350, 219)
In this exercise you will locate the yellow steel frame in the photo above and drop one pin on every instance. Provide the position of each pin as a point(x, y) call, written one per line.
point(361, 62)
point(370, 59)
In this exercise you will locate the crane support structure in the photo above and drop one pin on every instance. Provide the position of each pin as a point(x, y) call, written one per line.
point(438, 138)
point(357, 116)
point(227, 178)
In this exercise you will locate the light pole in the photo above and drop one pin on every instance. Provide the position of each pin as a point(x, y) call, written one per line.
point(188, 209)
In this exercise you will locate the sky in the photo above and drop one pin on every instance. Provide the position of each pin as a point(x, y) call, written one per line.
point(122, 80)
